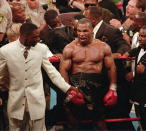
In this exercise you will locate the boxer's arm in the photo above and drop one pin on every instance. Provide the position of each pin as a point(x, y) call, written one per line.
point(111, 96)
point(65, 63)
point(110, 65)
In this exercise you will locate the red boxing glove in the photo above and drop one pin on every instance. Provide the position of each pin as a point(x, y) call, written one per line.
point(111, 96)
point(54, 59)
point(76, 97)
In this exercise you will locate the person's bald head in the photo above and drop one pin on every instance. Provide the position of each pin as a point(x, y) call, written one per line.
point(84, 31)
point(85, 21)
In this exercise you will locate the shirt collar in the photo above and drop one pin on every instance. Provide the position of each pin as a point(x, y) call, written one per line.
point(22, 47)
point(141, 53)
point(96, 28)
point(143, 49)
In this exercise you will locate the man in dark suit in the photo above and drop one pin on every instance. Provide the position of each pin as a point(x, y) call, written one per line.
point(114, 38)
point(105, 32)
point(138, 97)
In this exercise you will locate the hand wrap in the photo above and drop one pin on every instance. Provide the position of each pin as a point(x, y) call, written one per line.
point(111, 96)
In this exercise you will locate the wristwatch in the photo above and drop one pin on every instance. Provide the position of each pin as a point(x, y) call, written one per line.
point(122, 29)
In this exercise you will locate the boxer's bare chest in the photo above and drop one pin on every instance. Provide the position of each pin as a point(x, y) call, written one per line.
point(87, 53)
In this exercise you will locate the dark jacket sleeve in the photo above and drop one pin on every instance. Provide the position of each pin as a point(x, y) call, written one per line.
point(134, 52)
point(115, 39)
point(121, 46)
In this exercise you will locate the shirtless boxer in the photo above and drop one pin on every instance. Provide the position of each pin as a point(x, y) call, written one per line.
point(81, 65)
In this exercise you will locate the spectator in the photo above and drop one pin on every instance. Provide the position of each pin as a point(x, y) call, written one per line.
point(52, 21)
point(26, 86)
point(139, 21)
point(13, 32)
point(105, 4)
point(5, 20)
point(105, 13)
point(63, 6)
point(131, 10)
point(138, 97)
point(19, 17)
point(88, 3)
point(34, 10)
point(78, 4)
point(105, 32)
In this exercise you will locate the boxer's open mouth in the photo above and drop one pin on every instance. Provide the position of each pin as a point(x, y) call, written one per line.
point(83, 39)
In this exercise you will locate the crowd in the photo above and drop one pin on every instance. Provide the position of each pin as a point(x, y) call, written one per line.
point(91, 52)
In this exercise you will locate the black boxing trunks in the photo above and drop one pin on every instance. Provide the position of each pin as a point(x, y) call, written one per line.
point(91, 85)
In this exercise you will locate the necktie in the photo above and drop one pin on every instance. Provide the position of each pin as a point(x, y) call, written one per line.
point(25, 53)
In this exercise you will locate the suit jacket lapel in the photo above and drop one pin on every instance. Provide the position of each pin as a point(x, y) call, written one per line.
point(143, 59)
point(100, 31)
point(137, 53)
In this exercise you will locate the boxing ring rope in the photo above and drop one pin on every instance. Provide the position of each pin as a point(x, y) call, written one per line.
point(122, 119)
point(57, 59)
point(106, 120)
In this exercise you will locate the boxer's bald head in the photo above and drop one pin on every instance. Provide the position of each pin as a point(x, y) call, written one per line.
point(85, 21)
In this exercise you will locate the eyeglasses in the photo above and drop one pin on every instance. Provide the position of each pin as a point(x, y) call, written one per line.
point(87, 5)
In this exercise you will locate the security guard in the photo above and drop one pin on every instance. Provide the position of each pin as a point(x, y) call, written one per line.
point(35, 12)
point(5, 19)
